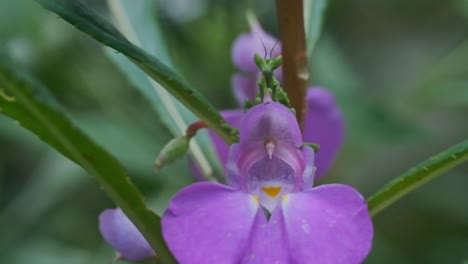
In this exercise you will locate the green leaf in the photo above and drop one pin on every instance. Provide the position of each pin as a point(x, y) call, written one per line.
point(314, 11)
point(18, 102)
point(136, 21)
point(84, 19)
point(417, 176)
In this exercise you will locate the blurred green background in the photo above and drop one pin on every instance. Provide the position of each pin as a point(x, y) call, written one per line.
point(399, 70)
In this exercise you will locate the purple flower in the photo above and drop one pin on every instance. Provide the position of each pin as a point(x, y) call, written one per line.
point(268, 170)
point(324, 122)
point(324, 125)
point(121, 234)
point(214, 223)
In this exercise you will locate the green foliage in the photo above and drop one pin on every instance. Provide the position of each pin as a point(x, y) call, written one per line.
point(418, 176)
point(136, 21)
point(314, 14)
point(17, 101)
point(397, 70)
point(84, 19)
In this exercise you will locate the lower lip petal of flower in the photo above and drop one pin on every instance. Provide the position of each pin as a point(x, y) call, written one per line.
point(211, 223)
point(327, 224)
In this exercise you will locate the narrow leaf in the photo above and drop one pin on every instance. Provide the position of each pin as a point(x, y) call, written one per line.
point(417, 176)
point(17, 102)
point(97, 27)
point(314, 12)
point(137, 22)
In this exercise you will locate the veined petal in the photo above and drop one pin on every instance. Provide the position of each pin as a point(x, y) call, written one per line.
point(210, 223)
point(327, 224)
point(122, 235)
point(324, 125)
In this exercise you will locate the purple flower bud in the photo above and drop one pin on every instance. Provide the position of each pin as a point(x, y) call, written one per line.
point(248, 44)
point(122, 235)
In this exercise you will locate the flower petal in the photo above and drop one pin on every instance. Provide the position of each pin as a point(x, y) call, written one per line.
point(324, 125)
point(210, 223)
point(268, 243)
point(234, 178)
point(122, 235)
point(309, 170)
point(269, 120)
point(244, 87)
point(245, 157)
point(327, 224)
point(233, 118)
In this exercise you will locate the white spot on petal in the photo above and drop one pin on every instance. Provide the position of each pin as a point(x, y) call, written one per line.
point(270, 146)
point(305, 227)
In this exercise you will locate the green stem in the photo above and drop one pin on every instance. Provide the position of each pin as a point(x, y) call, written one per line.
point(295, 71)
point(417, 176)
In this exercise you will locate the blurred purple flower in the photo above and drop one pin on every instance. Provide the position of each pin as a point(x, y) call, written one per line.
point(122, 235)
point(245, 46)
point(256, 41)
point(212, 223)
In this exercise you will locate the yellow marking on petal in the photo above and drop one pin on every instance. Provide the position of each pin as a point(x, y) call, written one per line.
point(271, 191)
point(255, 198)
point(284, 197)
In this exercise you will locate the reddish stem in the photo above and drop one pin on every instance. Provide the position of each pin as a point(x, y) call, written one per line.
point(193, 128)
point(295, 72)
